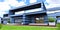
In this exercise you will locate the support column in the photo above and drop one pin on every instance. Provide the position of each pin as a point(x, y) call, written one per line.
point(0, 20)
point(45, 19)
point(25, 20)
point(12, 20)
point(33, 20)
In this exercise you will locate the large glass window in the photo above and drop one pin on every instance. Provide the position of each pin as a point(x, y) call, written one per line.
point(40, 20)
point(33, 10)
point(20, 12)
point(18, 20)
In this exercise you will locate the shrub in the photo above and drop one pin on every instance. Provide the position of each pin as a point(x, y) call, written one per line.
point(51, 19)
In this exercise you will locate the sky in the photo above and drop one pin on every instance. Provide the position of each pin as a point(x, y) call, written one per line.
point(6, 5)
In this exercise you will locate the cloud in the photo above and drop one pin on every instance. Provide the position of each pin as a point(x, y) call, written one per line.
point(15, 3)
point(33, 1)
point(53, 3)
point(4, 8)
point(2, 12)
point(52, 6)
point(6, 5)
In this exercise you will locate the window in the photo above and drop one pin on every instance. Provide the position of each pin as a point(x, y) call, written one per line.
point(33, 10)
point(40, 20)
point(20, 12)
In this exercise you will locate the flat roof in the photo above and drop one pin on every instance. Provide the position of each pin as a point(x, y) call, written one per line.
point(34, 6)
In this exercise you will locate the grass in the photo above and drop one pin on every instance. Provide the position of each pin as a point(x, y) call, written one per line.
point(9, 27)
point(58, 25)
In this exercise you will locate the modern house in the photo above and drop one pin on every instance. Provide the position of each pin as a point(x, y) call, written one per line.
point(33, 13)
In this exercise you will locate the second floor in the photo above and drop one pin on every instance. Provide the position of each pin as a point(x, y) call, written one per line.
point(34, 8)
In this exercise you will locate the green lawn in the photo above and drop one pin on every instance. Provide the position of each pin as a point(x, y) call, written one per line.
point(7, 27)
point(58, 25)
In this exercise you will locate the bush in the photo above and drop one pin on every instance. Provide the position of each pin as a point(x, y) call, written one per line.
point(0, 26)
point(51, 19)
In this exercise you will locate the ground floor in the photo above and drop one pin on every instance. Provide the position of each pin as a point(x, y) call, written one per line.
point(32, 18)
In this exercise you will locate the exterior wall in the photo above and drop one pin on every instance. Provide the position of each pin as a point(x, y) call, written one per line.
point(52, 15)
point(5, 18)
point(11, 13)
point(0, 20)
point(12, 20)
point(5, 22)
point(57, 13)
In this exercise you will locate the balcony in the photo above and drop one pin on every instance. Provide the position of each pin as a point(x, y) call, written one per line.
point(27, 7)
